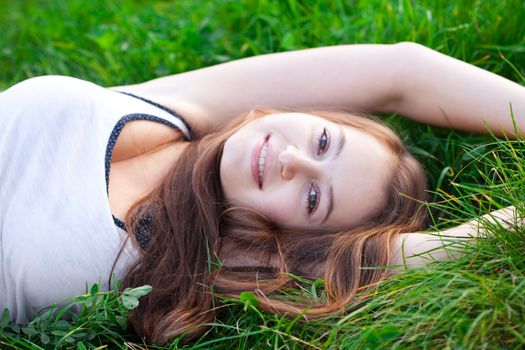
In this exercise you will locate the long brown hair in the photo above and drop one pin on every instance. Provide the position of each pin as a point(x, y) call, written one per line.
point(196, 236)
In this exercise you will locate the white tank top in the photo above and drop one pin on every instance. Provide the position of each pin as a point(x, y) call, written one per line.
point(57, 233)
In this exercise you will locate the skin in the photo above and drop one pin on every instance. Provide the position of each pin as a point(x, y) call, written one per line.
point(305, 158)
point(404, 78)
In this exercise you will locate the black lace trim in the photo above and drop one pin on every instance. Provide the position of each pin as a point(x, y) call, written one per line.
point(143, 229)
point(164, 108)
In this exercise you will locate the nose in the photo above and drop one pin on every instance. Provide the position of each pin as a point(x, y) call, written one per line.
point(294, 162)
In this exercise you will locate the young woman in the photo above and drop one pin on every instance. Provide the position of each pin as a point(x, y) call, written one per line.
point(184, 184)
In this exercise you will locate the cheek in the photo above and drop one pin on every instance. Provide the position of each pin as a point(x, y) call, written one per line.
point(225, 178)
point(234, 171)
point(281, 211)
point(278, 205)
point(273, 213)
point(231, 157)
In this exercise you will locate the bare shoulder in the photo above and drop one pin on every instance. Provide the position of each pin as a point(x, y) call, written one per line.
point(190, 109)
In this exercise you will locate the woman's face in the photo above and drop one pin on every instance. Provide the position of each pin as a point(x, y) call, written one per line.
point(303, 171)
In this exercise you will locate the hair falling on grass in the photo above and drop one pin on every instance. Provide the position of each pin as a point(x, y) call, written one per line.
point(280, 181)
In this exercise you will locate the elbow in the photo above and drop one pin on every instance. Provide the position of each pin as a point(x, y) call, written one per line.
point(407, 51)
point(409, 46)
point(407, 59)
point(396, 66)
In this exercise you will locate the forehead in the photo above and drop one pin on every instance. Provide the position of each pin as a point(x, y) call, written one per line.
point(359, 177)
point(293, 118)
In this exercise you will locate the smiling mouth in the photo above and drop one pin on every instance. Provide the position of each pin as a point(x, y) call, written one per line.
point(262, 162)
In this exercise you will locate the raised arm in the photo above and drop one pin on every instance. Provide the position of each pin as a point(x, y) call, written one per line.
point(416, 249)
point(356, 77)
point(404, 78)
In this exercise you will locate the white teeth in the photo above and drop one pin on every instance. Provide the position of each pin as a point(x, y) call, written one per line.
point(262, 160)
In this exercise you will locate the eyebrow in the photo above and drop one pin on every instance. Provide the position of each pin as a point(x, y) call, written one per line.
point(340, 145)
point(330, 203)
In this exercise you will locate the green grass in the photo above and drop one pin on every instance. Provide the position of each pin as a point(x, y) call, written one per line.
point(474, 302)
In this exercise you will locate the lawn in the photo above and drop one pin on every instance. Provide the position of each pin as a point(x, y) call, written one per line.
point(475, 302)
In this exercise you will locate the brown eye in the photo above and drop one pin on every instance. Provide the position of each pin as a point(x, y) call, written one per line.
point(323, 142)
point(312, 198)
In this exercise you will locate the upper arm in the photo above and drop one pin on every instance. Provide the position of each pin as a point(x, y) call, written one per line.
point(359, 78)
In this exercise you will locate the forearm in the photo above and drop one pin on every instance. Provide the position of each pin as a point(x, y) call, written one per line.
point(416, 249)
point(440, 90)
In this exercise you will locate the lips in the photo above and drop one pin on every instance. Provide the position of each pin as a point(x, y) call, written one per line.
point(260, 161)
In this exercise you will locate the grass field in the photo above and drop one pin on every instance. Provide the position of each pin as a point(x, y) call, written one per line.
point(475, 302)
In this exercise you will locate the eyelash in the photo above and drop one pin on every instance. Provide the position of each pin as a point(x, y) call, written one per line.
point(313, 192)
point(324, 138)
point(312, 197)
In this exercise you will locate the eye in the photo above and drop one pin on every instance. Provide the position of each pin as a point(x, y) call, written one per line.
point(323, 142)
point(312, 198)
